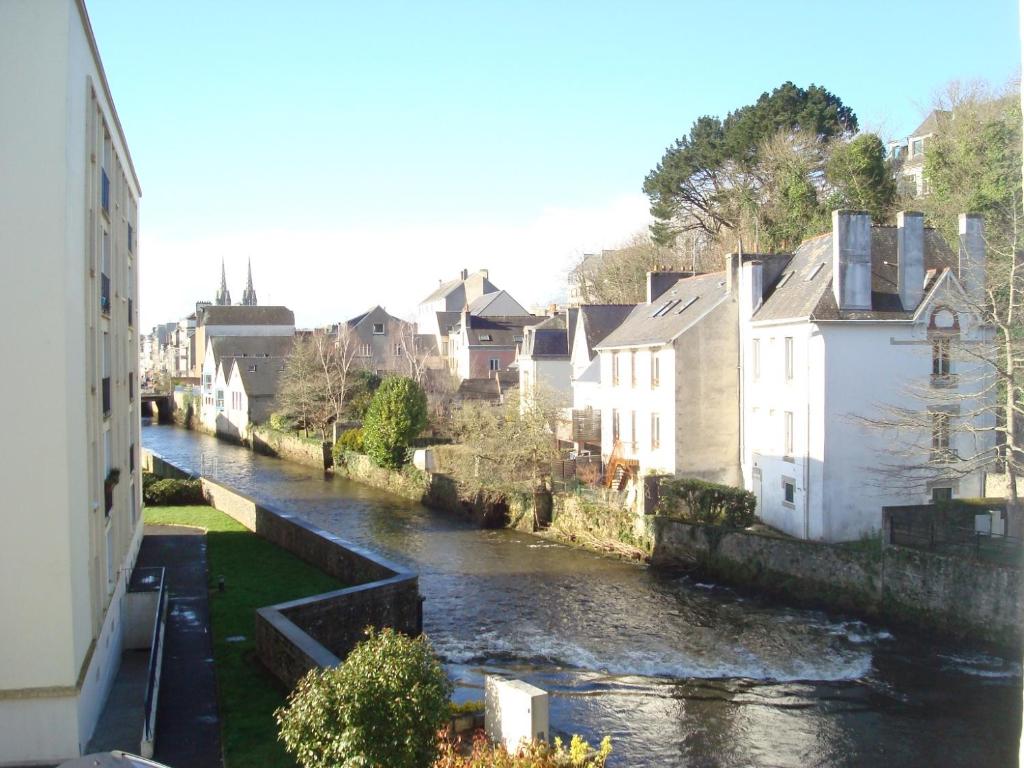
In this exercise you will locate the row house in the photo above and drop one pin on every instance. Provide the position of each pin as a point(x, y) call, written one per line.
point(380, 341)
point(480, 347)
point(214, 321)
point(228, 406)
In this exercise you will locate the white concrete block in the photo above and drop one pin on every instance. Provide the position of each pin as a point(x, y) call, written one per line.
point(514, 711)
point(423, 459)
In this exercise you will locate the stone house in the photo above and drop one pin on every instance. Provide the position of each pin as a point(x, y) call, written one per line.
point(380, 341)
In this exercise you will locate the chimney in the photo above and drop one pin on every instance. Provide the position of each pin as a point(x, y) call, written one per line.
point(972, 256)
point(851, 259)
point(659, 282)
point(485, 273)
point(910, 258)
point(751, 288)
point(464, 274)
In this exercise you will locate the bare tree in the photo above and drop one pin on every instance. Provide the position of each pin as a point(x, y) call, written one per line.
point(315, 380)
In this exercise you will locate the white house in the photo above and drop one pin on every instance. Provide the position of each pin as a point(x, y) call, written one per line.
point(250, 388)
point(668, 381)
point(855, 324)
point(72, 492)
point(543, 359)
point(265, 353)
point(213, 321)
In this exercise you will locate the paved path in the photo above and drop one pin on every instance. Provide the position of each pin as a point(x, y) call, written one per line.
point(187, 724)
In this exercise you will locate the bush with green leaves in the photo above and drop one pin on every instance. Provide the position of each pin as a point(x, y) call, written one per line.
point(700, 501)
point(397, 414)
point(172, 493)
point(383, 706)
point(349, 441)
point(483, 754)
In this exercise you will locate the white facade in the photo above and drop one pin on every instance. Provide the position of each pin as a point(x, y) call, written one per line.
point(68, 229)
point(818, 469)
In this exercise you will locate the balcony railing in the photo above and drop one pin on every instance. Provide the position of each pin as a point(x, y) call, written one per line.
point(586, 425)
point(106, 396)
point(104, 293)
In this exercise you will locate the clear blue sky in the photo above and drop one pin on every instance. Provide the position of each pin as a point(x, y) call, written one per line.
point(349, 134)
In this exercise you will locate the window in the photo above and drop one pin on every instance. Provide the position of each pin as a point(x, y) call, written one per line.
point(615, 369)
point(789, 491)
point(940, 436)
point(220, 399)
point(494, 364)
point(486, 337)
point(252, 367)
point(105, 176)
point(940, 357)
point(207, 380)
point(787, 419)
point(917, 147)
point(517, 339)
point(941, 494)
point(378, 329)
point(105, 384)
point(655, 370)
point(632, 368)
point(632, 430)
point(755, 355)
point(364, 350)
point(444, 348)
point(655, 431)
point(131, 239)
point(398, 350)
point(615, 425)
point(789, 358)
point(105, 275)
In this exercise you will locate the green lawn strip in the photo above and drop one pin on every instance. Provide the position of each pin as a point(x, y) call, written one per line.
point(256, 574)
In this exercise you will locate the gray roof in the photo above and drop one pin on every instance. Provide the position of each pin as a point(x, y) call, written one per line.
point(444, 289)
point(931, 123)
point(214, 315)
point(377, 311)
point(263, 381)
point(601, 319)
point(804, 289)
point(227, 347)
point(671, 314)
point(504, 331)
point(447, 321)
point(548, 339)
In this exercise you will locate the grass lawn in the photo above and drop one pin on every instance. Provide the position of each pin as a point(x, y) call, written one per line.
point(256, 573)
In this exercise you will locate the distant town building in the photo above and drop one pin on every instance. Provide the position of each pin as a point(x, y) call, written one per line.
point(382, 342)
point(223, 298)
point(215, 321)
point(249, 294)
point(233, 399)
point(72, 491)
point(908, 155)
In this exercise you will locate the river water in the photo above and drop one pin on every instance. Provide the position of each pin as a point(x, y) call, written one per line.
point(678, 672)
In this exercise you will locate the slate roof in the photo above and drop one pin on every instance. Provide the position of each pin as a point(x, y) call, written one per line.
point(443, 290)
point(548, 340)
point(601, 319)
point(448, 320)
point(263, 381)
point(930, 123)
point(671, 314)
point(484, 301)
point(503, 330)
point(214, 315)
point(226, 348)
point(804, 289)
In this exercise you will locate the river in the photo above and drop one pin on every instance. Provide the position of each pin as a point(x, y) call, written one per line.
point(678, 672)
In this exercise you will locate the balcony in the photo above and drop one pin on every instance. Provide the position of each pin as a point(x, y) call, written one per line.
point(106, 396)
point(105, 294)
point(109, 482)
point(586, 425)
point(131, 314)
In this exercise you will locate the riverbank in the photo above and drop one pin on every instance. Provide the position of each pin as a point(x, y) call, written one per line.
point(958, 598)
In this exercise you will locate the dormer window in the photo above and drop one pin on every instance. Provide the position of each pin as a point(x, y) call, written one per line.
point(252, 367)
point(378, 329)
point(486, 337)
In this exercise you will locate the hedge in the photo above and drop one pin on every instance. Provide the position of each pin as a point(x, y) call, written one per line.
point(172, 493)
point(711, 503)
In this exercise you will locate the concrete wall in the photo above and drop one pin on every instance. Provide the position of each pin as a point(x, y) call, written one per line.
point(953, 596)
point(319, 630)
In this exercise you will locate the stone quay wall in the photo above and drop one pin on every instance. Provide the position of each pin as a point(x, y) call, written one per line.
point(270, 442)
point(320, 630)
point(956, 597)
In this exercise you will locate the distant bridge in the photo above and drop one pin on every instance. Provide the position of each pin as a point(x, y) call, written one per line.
point(161, 402)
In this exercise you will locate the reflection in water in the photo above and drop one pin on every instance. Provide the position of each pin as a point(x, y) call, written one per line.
point(679, 673)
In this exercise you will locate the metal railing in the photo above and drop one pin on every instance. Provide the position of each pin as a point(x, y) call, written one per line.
point(155, 657)
point(933, 536)
point(104, 293)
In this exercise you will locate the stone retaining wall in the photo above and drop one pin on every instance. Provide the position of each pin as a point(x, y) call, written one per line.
point(270, 442)
point(957, 597)
point(319, 630)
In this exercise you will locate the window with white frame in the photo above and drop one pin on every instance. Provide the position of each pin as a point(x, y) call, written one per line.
point(940, 357)
point(940, 435)
point(655, 370)
point(789, 491)
point(789, 358)
point(494, 364)
point(632, 430)
point(632, 368)
point(655, 431)
point(755, 354)
point(615, 369)
point(378, 329)
point(616, 433)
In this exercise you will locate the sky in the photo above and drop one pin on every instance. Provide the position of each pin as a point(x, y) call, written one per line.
point(359, 152)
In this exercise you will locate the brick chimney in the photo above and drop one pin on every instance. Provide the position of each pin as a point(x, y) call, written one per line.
point(851, 259)
point(910, 258)
point(972, 256)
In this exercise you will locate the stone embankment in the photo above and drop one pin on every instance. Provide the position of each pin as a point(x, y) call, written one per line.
point(953, 596)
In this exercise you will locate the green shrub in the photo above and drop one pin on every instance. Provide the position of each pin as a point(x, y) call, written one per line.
point(279, 422)
point(172, 493)
point(383, 706)
point(702, 502)
point(351, 440)
point(397, 414)
point(467, 707)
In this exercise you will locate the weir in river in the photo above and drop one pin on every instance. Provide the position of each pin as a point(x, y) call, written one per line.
point(678, 672)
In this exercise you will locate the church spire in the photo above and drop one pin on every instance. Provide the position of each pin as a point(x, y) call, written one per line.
point(249, 295)
point(223, 295)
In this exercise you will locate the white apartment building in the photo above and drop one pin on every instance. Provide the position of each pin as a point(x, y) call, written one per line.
point(856, 324)
point(72, 528)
